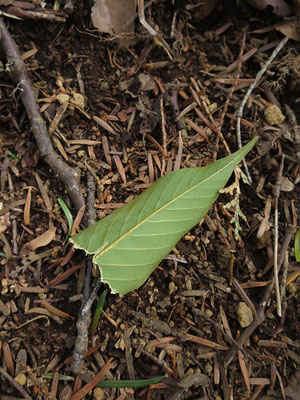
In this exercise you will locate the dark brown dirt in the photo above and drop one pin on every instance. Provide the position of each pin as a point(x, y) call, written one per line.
point(201, 260)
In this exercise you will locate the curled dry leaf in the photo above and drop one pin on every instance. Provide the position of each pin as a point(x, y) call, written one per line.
point(40, 241)
point(290, 29)
point(279, 7)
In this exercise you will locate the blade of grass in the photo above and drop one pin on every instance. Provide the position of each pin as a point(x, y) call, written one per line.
point(130, 384)
point(297, 245)
point(98, 312)
point(9, 153)
point(185, 132)
point(68, 215)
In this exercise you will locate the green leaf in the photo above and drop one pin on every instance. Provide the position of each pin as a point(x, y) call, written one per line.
point(68, 214)
point(98, 313)
point(297, 245)
point(129, 243)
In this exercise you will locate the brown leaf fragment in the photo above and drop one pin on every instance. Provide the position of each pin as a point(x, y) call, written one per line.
point(27, 207)
point(43, 311)
point(55, 310)
point(77, 220)
point(4, 309)
point(40, 241)
point(112, 16)
point(244, 369)
point(195, 379)
point(104, 125)
point(8, 358)
point(43, 191)
point(259, 381)
point(21, 361)
point(272, 343)
point(63, 275)
point(290, 29)
point(119, 165)
point(203, 342)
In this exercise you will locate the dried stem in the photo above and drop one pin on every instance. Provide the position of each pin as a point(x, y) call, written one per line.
point(69, 176)
point(276, 193)
point(14, 384)
point(240, 110)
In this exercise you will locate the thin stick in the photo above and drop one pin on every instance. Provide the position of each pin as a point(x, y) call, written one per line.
point(230, 94)
point(276, 193)
point(15, 384)
point(249, 91)
point(153, 33)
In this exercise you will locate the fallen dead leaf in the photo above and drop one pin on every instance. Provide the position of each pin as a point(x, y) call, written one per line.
point(112, 16)
point(291, 30)
point(280, 8)
point(40, 241)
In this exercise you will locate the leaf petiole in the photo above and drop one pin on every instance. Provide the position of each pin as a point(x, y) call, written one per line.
point(68, 215)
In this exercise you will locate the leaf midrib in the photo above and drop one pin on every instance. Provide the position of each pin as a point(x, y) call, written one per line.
point(101, 252)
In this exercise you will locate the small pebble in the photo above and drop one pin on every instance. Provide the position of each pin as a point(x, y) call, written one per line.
point(208, 313)
point(21, 379)
point(63, 98)
point(208, 368)
point(65, 393)
point(98, 394)
point(273, 115)
point(172, 288)
point(78, 100)
point(244, 314)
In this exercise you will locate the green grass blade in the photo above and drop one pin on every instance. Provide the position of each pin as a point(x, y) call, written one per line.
point(61, 377)
point(68, 215)
point(297, 245)
point(9, 153)
point(129, 243)
point(130, 384)
point(98, 312)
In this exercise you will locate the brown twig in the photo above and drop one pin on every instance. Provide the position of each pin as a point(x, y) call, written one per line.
point(276, 194)
point(22, 13)
point(69, 176)
point(15, 384)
